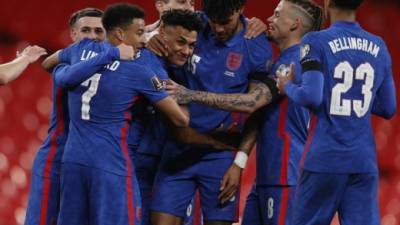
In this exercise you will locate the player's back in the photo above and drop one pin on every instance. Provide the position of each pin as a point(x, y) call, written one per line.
point(99, 112)
point(354, 65)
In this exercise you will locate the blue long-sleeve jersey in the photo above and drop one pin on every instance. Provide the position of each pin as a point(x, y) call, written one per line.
point(356, 73)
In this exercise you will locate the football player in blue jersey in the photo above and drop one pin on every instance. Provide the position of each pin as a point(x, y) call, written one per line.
point(97, 183)
point(163, 6)
point(12, 70)
point(84, 23)
point(179, 29)
point(279, 152)
point(45, 184)
point(222, 61)
point(346, 77)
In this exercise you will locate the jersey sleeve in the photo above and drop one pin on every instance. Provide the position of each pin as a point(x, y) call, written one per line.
point(385, 100)
point(67, 75)
point(66, 54)
point(309, 92)
point(149, 85)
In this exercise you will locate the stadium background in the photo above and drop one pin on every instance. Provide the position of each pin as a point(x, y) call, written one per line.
point(26, 103)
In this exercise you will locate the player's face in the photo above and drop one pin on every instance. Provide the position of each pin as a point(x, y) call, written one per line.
point(180, 42)
point(179, 4)
point(280, 23)
point(133, 34)
point(88, 27)
point(225, 29)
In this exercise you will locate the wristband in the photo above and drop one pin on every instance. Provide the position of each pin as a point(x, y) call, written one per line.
point(241, 159)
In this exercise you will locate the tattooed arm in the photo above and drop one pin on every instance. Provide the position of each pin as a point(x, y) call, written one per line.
point(259, 95)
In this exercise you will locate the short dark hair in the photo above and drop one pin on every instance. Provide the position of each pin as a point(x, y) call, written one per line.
point(187, 19)
point(347, 4)
point(220, 10)
point(86, 12)
point(121, 15)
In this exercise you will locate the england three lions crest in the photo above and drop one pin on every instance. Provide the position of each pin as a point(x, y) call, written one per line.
point(234, 61)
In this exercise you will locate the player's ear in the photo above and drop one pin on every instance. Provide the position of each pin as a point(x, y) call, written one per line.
point(119, 34)
point(161, 29)
point(241, 10)
point(72, 34)
point(160, 6)
point(295, 25)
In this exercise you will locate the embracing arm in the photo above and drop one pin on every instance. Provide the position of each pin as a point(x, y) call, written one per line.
point(259, 95)
point(51, 61)
point(12, 70)
point(188, 135)
point(310, 92)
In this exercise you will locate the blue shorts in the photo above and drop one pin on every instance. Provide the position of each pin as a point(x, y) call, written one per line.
point(94, 196)
point(320, 195)
point(269, 205)
point(175, 191)
point(193, 212)
point(44, 199)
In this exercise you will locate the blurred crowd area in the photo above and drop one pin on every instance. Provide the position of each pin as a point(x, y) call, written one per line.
point(25, 104)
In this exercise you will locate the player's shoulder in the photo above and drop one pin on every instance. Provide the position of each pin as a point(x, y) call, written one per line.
point(261, 39)
point(314, 36)
point(146, 54)
point(135, 67)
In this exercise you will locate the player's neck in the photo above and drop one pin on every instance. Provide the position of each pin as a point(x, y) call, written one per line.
point(342, 15)
point(287, 43)
point(239, 28)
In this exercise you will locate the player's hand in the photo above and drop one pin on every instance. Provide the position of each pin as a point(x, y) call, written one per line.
point(283, 79)
point(32, 53)
point(178, 92)
point(157, 45)
point(255, 27)
point(126, 52)
point(230, 183)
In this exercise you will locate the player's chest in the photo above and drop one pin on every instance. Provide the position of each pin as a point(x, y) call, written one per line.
point(220, 65)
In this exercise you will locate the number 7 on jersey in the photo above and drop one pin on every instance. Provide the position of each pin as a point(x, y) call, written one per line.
point(93, 83)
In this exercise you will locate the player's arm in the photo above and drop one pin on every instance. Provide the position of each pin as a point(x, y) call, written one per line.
point(51, 61)
point(310, 92)
point(384, 104)
point(12, 70)
point(231, 180)
point(217, 140)
point(188, 135)
point(71, 75)
point(173, 112)
point(259, 95)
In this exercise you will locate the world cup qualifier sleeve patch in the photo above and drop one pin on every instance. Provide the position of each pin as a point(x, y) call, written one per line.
point(157, 83)
point(304, 50)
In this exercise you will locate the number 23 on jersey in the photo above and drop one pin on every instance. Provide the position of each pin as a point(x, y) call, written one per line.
point(343, 107)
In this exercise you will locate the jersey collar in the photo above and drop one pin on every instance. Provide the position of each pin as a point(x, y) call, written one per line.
point(346, 24)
